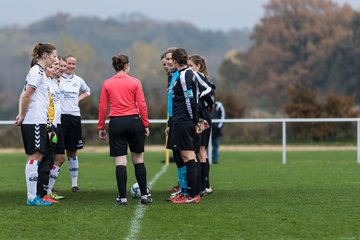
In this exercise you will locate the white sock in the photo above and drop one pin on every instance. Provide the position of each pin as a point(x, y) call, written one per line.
point(74, 170)
point(31, 176)
point(54, 173)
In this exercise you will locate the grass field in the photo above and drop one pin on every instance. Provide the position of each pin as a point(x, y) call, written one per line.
point(314, 196)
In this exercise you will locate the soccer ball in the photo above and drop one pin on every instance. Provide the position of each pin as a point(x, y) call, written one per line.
point(135, 191)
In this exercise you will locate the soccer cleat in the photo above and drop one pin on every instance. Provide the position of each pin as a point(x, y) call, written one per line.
point(146, 199)
point(75, 189)
point(47, 198)
point(173, 195)
point(178, 198)
point(37, 201)
point(121, 201)
point(208, 190)
point(175, 189)
point(188, 200)
point(55, 196)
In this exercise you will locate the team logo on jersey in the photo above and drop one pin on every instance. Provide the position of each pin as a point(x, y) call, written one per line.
point(74, 85)
point(188, 94)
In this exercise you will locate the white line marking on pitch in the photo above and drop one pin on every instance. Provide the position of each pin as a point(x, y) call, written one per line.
point(140, 209)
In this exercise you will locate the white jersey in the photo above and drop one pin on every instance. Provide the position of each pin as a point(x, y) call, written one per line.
point(39, 101)
point(55, 94)
point(71, 86)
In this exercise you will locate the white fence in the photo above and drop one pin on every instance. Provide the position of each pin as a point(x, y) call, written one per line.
point(283, 121)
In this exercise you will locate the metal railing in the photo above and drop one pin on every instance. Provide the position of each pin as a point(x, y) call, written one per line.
point(283, 121)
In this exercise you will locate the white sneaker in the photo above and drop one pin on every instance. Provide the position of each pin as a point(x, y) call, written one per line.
point(208, 190)
point(121, 201)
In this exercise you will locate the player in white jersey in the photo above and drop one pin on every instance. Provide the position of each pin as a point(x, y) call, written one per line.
point(47, 162)
point(32, 117)
point(59, 158)
point(73, 89)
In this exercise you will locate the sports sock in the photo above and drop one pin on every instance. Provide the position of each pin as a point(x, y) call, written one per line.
point(203, 171)
point(54, 173)
point(207, 185)
point(31, 175)
point(74, 170)
point(192, 177)
point(183, 183)
point(140, 174)
point(121, 179)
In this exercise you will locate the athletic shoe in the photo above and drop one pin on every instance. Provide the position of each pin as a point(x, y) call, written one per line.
point(121, 201)
point(175, 194)
point(55, 196)
point(47, 198)
point(75, 189)
point(146, 199)
point(175, 189)
point(178, 198)
point(37, 201)
point(208, 190)
point(188, 200)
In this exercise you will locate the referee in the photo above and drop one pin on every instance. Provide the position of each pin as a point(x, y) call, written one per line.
point(129, 124)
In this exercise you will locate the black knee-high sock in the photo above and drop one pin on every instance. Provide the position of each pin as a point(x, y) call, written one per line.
point(192, 177)
point(121, 179)
point(203, 171)
point(198, 186)
point(140, 174)
point(207, 185)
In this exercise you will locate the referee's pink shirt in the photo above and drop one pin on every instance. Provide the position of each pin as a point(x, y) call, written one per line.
point(126, 97)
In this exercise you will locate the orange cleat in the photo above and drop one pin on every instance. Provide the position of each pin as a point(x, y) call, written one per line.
point(47, 198)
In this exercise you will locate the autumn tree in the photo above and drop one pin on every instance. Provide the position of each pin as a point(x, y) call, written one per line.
point(305, 102)
point(343, 63)
point(291, 44)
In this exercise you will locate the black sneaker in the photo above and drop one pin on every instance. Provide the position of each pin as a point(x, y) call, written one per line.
point(146, 199)
point(121, 201)
point(75, 189)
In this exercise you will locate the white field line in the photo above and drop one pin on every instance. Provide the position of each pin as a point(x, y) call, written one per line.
point(140, 209)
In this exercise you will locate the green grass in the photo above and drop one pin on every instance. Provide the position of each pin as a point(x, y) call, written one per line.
point(314, 196)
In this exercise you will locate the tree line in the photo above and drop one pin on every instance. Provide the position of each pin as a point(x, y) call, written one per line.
point(301, 60)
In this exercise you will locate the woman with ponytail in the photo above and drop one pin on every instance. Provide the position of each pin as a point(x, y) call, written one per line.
point(129, 124)
point(33, 116)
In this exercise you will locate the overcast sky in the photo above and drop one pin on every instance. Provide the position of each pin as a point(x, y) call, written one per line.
point(205, 14)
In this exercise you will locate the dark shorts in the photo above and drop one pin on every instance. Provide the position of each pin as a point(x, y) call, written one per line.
point(169, 137)
point(59, 148)
point(124, 131)
point(183, 136)
point(35, 138)
point(71, 126)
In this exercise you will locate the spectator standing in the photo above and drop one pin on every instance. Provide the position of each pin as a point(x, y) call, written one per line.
point(218, 113)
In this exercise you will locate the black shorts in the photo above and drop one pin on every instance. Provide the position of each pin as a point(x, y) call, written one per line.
point(60, 146)
point(71, 126)
point(35, 138)
point(126, 130)
point(183, 135)
point(169, 138)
